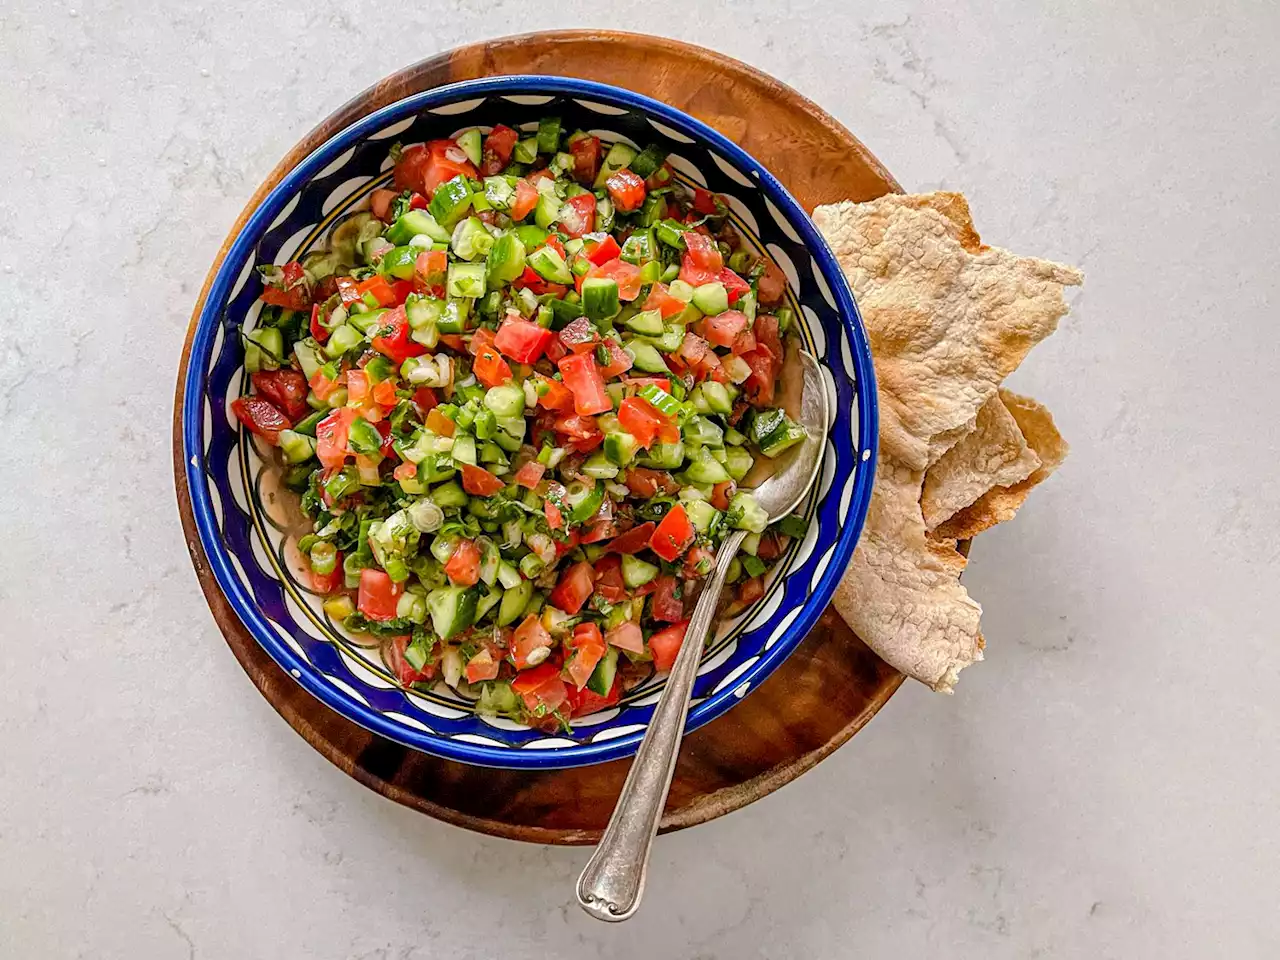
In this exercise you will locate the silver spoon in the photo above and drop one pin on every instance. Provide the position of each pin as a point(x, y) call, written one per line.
point(612, 882)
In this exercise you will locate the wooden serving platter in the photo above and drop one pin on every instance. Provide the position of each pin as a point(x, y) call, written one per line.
point(829, 687)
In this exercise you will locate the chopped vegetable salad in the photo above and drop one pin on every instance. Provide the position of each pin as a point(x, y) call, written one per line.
point(518, 398)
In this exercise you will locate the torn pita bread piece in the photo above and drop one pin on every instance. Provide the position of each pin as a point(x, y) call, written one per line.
point(993, 454)
point(946, 324)
point(902, 592)
point(948, 318)
point(1002, 501)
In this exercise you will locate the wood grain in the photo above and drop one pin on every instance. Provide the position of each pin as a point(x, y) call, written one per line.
point(825, 691)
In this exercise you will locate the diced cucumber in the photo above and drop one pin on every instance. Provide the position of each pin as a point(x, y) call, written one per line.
point(646, 357)
point(549, 265)
point(648, 160)
point(711, 298)
point(506, 400)
point(507, 258)
point(307, 425)
point(583, 500)
point(514, 600)
point(747, 304)
point(746, 514)
point(671, 340)
point(604, 213)
point(547, 211)
point(548, 134)
point(414, 223)
point(602, 677)
point(664, 456)
point(470, 142)
point(704, 468)
point(508, 575)
point(620, 447)
point(497, 698)
point(526, 150)
point(470, 241)
point(368, 320)
point(464, 449)
point(466, 280)
point(636, 572)
point(783, 436)
point(452, 609)
point(263, 349)
point(599, 466)
point(500, 192)
point(653, 211)
point(648, 323)
point(702, 515)
point(449, 495)
point(490, 599)
point(619, 156)
point(738, 462)
point(451, 201)
point(681, 291)
point(600, 298)
point(699, 431)
point(399, 262)
point(298, 447)
point(308, 353)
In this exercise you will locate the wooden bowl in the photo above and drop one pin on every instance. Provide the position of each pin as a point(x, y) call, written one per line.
point(827, 689)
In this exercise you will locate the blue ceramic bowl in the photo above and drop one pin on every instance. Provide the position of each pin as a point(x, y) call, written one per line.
point(244, 520)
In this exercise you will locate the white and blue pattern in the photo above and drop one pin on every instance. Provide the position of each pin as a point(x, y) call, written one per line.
point(242, 528)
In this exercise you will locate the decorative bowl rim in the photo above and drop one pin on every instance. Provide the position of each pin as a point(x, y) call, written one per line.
point(260, 221)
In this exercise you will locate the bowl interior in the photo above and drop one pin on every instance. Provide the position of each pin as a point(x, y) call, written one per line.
point(247, 522)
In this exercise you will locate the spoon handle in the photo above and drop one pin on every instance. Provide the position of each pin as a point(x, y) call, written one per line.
point(613, 880)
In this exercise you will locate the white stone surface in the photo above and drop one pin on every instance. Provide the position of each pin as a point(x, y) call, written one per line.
point(1104, 786)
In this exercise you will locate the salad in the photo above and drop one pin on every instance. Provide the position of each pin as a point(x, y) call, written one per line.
point(517, 399)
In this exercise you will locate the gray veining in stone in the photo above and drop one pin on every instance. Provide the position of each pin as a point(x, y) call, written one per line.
point(1104, 786)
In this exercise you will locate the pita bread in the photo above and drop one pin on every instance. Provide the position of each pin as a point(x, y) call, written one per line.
point(993, 454)
point(1001, 502)
point(946, 324)
point(948, 319)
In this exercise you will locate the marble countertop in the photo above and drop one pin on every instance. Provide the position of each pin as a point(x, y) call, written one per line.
point(1103, 786)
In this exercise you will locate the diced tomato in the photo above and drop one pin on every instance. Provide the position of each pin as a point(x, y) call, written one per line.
point(522, 341)
point(553, 395)
point(530, 280)
point(661, 300)
point(529, 636)
point(439, 424)
point(702, 260)
point(489, 367)
point(576, 584)
point(642, 420)
point(426, 400)
point(555, 519)
point(750, 590)
point(347, 290)
point(331, 581)
point(526, 199)
point(698, 562)
point(400, 666)
point(600, 530)
point(704, 202)
point(463, 567)
point(379, 287)
point(668, 605)
point(734, 285)
point(722, 493)
point(619, 360)
point(426, 166)
point(479, 482)
point(318, 330)
point(645, 483)
point(602, 251)
point(405, 471)
point(384, 394)
point(760, 384)
point(393, 341)
point(634, 540)
point(286, 388)
point(699, 356)
point(586, 158)
point(530, 474)
point(626, 189)
point(768, 336)
point(661, 177)
point(418, 202)
point(588, 648)
point(430, 271)
point(665, 645)
point(771, 545)
point(498, 147)
point(481, 667)
point(579, 336)
point(378, 595)
point(291, 292)
point(609, 582)
point(723, 328)
point(360, 396)
point(331, 437)
point(639, 383)
point(626, 636)
point(674, 534)
point(455, 341)
point(260, 417)
point(582, 376)
point(380, 203)
point(578, 215)
point(772, 283)
point(548, 696)
point(401, 289)
point(626, 275)
point(587, 701)
point(744, 342)
point(568, 543)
